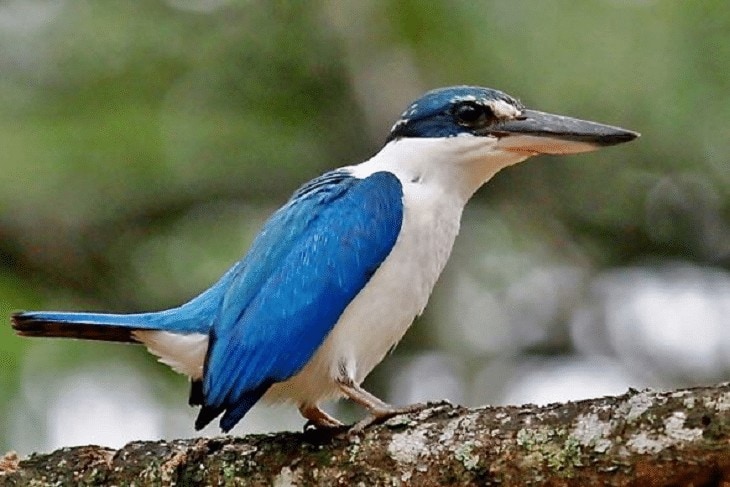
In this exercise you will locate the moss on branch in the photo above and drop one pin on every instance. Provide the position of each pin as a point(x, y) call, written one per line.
point(645, 438)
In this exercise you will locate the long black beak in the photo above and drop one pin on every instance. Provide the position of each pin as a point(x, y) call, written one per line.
point(544, 133)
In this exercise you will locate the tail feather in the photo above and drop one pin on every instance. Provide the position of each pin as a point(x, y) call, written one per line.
point(195, 316)
point(197, 397)
point(233, 411)
point(87, 326)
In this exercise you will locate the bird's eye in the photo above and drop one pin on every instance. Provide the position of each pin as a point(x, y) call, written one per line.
point(470, 115)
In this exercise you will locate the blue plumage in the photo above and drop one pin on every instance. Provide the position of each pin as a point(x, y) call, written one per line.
point(433, 115)
point(329, 239)
point(270, 312)
point(195, 316)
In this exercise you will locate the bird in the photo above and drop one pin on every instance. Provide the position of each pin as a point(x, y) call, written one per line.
point(338, 274)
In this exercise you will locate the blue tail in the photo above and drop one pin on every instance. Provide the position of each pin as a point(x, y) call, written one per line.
point(195, 316)
point(89, 326)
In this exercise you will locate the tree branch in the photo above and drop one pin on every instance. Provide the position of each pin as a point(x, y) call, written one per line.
point(644, 438)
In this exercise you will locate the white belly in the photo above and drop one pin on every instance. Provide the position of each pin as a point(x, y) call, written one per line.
point(381, 313)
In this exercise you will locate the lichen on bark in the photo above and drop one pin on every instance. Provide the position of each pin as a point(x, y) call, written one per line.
point(640, 438)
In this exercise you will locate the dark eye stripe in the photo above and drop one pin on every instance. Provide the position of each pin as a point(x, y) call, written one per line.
point(468, 114)
point(473, 115)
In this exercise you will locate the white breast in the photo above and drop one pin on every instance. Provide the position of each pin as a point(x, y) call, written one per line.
point(381, 313)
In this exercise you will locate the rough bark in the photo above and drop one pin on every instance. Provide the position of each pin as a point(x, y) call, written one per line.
point(644, 438)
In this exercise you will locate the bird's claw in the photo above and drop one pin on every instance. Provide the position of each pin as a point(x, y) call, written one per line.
point(380, 415)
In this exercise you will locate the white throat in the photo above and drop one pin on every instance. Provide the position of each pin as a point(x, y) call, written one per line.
point(459, 165)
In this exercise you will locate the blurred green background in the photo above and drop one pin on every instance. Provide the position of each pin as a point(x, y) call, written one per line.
point(143, 144)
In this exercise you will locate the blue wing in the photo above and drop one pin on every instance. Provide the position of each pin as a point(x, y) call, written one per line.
point(310, 260)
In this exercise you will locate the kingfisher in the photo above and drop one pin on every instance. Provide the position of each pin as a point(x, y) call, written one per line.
point(337, 275)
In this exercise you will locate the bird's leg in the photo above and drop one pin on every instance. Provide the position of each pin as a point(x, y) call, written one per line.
point(378, 410)
point(317, 418)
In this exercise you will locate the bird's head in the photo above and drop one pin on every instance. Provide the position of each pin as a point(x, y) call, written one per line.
point(473, 111)
point(491, 129)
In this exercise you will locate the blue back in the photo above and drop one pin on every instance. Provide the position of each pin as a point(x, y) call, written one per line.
point(310, 260)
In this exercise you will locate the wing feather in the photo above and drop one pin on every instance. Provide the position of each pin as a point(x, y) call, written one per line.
point(310, 260)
